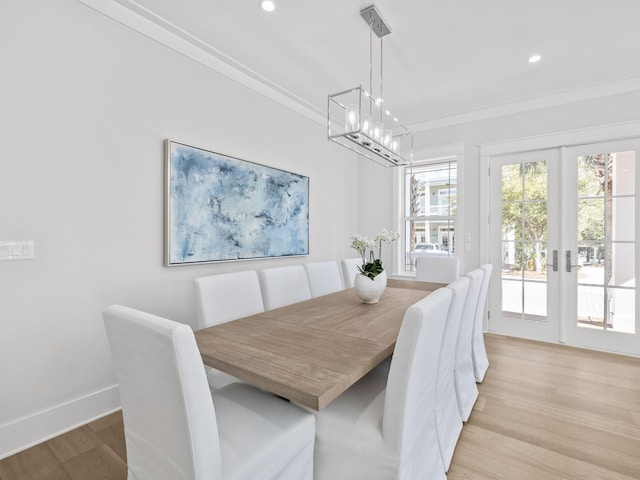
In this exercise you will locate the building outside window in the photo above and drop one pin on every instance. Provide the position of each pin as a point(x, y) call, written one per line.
point(429, 192)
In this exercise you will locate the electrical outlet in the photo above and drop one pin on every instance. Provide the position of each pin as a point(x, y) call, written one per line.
point(17, 250)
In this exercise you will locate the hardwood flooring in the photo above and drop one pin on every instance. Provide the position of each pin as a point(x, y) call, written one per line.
point(545, 412)
point(552, 412)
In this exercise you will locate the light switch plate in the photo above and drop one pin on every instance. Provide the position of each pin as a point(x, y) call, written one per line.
point(17, 250)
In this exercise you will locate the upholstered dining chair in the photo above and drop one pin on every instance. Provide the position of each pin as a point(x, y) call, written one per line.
point(384, 427)
point(350, 270)
point(177, 429)
point(480, 359)
point(222, 298)
point(324, 277)
point(465, 379)
point(283, 286)
point(448, 420)
point(437, 268)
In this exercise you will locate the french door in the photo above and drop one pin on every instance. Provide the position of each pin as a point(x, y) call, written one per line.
point(601, 253)
point(524, 232)
point(563, 237)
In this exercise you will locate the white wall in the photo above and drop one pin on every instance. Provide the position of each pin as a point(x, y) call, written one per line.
point(85, 105)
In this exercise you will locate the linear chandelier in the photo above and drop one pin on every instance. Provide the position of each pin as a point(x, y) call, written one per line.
point(359, 120)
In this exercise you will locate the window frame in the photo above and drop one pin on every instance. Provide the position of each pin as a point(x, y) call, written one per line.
point(452, 157)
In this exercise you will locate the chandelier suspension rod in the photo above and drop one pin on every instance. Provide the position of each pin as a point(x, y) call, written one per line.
point(381, 97)
point(370, 67)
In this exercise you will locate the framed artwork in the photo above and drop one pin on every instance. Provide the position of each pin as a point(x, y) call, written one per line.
point(220, 208)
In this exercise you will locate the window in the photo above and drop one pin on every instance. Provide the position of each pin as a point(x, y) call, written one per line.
point(429, 211)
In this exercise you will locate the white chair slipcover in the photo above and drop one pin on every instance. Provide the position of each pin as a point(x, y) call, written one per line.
point(324, 278)
point(283, 286)
point(437, 268)
point(480, 359)
point(448, 420)
point(227, 296)
point(350, 270)
point(176, 429)
point(465, 378)
point(222, 298)
point(376, 433)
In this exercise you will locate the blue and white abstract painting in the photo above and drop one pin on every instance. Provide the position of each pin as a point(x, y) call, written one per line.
point(221, 208)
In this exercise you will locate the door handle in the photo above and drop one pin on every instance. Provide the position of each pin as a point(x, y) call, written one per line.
point(569, 266)
point(555, 260)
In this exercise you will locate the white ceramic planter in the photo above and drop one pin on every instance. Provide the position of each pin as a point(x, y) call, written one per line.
point(369, 291)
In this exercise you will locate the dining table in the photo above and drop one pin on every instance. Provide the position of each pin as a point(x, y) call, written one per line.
point(312, 351)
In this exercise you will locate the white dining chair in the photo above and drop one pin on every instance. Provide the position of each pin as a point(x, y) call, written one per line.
point(437, 268)
point(177, 429)
point(480, 359)
point(384, 428)
point(448, 419)
point(283, 286)
point(465, 379)
point(324, 278)
point(350, 270)
point(227, 296)
point(222, 298)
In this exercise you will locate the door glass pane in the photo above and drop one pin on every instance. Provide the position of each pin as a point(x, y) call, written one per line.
point(534, 221)
point(624, 173)
point(590, 306)
point(623, 218)
point(535, 300)
point(591, 219)
point(589, 183)
point(535, 265)
point(622, 269)
point(511, 221)
point(512, 292)
point(622, 310)
point(606, 235)
point(524, 235)
point(535, 181)
point(591, 262)
point(512, 176)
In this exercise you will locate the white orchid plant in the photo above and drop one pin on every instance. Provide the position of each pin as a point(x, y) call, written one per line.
point(369, 248)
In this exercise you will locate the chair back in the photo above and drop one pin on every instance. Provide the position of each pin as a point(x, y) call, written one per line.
point(480, 359)
point(448, 420)
point(324, 278)
point(465, 380)
point(350, 270)
point(437, 268)
point(409, 411)
point(283, 286)
point(227, 296)
point(169, 417)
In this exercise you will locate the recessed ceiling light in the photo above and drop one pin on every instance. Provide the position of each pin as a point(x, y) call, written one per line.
point(534, 58)
point(267, 5)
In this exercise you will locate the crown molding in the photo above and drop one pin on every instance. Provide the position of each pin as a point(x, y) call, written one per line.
point(134, 16)
point(569, 138)
point(156, 28)
point(578, 94)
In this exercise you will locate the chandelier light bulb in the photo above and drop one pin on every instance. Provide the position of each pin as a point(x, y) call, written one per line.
point(377, 131)
point(352, 122)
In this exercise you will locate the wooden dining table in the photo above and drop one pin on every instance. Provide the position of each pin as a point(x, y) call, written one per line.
point(312, 351)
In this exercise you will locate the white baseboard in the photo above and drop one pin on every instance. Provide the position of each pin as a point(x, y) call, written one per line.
point(39, 427)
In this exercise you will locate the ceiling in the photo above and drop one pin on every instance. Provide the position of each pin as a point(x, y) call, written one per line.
point(444, 62)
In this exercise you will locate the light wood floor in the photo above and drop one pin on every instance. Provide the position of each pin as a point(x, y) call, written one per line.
point(545, 412)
